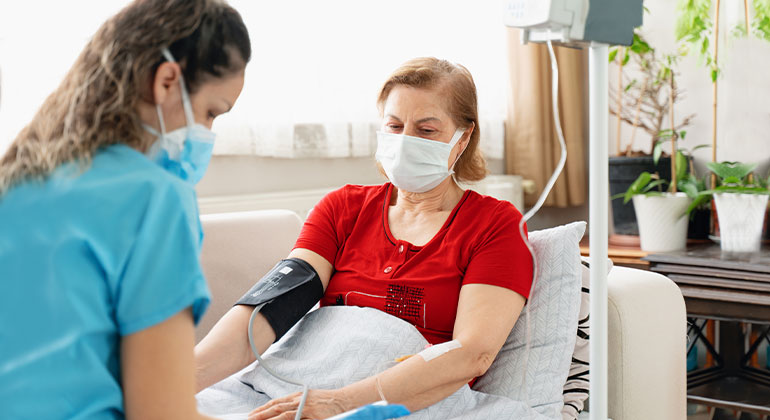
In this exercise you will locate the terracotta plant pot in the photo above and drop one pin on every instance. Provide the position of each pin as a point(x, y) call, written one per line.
point(662, 221)
point(741, 217)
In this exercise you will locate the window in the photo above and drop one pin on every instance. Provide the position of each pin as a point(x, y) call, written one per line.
point(316, 68)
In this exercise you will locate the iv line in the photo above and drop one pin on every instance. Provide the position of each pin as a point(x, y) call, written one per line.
point(534, 209)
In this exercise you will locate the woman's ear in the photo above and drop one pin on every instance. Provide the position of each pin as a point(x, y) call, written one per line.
point(166, 78)
point(467, 136)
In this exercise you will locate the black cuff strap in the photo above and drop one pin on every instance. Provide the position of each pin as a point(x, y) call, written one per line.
point(290, 289)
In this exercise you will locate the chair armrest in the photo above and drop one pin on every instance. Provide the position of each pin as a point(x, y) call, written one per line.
point(647, 327)
point(238, 248)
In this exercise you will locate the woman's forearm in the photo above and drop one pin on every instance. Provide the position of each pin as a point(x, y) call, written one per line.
point(416, 383)
point(485, 316)
point(225, 349)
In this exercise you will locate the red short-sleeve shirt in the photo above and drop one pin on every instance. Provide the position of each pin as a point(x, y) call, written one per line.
point(479, 243)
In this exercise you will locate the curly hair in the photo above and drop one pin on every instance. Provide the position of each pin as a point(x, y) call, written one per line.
point(455, 83)
point(96, 103)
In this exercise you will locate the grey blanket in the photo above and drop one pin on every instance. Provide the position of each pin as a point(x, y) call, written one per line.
point(335, 346)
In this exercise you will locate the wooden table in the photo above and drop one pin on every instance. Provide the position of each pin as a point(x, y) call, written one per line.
point(623, 256)
point(733, 289)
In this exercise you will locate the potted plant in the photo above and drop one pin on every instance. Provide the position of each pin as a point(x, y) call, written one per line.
point(699, 225)
point(644, 102)
point(662, 205)
point(741, 203)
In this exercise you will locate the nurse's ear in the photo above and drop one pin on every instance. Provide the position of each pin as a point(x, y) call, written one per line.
point(165, 84)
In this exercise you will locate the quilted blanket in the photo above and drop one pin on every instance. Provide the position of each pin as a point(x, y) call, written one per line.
point(334, 346)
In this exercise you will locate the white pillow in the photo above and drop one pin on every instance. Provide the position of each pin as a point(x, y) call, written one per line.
point(554, 307)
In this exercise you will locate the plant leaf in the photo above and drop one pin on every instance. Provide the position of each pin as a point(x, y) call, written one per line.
point(699, 199)
point(725, 170)
point(657, 151)
point(636, 187)
point(689, 188)
point(653, 184)
point(682, 165)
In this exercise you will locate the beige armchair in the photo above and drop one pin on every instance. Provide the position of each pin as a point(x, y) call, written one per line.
point(646, 312)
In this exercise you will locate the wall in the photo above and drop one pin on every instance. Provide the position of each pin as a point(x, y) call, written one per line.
point(232, 175)
point(743, 100)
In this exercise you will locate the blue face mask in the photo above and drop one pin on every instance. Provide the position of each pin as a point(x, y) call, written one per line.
point(186, 151)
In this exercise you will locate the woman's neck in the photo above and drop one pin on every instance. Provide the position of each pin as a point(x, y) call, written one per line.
point(442, 198)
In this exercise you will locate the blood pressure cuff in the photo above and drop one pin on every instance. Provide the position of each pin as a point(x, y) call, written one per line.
point(289, 291)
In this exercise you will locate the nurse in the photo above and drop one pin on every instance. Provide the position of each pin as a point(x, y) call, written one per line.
point(99, 230)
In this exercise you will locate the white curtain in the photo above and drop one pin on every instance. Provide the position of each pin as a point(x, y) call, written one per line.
point(315, 72)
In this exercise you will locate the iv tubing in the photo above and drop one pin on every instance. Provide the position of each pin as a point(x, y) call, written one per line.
point(549, 185)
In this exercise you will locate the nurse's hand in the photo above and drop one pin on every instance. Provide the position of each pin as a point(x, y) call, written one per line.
point(320, 404)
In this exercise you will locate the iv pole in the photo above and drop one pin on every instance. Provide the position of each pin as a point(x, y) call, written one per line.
point(598, 216)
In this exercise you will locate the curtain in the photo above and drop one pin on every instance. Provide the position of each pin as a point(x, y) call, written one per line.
point(329, 139)
point(531, 143)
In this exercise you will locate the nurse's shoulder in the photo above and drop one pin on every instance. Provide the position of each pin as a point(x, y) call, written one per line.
point(130, 177)
point(118, 190)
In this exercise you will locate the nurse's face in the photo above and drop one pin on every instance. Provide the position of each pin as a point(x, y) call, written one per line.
point(213, 97)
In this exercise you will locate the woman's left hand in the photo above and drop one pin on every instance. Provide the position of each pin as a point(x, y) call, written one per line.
point(320, 404)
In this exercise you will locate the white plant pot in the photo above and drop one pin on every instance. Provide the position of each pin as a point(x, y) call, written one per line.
point(740, 221)
point(662, 221)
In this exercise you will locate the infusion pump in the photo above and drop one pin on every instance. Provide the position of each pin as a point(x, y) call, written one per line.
point(574, 21)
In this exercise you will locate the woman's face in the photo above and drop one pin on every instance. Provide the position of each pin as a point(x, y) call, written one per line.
point(420, 113)
point(417, 112)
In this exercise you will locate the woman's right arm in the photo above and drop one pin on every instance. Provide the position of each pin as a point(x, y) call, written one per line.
point(225, 349)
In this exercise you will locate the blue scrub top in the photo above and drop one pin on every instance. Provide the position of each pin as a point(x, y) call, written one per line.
point(87, 256)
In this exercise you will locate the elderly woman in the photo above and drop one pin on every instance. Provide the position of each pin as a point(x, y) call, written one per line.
point(449, 261)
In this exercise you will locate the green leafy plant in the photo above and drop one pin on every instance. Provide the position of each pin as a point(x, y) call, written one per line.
point(639, 46)
point(646, 183)
point(687, 180)
point(737, 177)
point(761, 22)
point(645, 101)
point(733, 177)
point(684, 156)
point(695, 27)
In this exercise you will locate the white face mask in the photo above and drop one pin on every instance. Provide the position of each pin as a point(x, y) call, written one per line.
point(415, 164)
point(186, 151)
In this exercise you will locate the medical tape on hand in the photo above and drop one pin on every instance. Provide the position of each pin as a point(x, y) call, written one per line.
point(433, 352)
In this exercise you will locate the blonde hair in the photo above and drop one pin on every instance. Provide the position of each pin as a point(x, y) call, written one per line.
point(455, 83)
point(96, 103)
